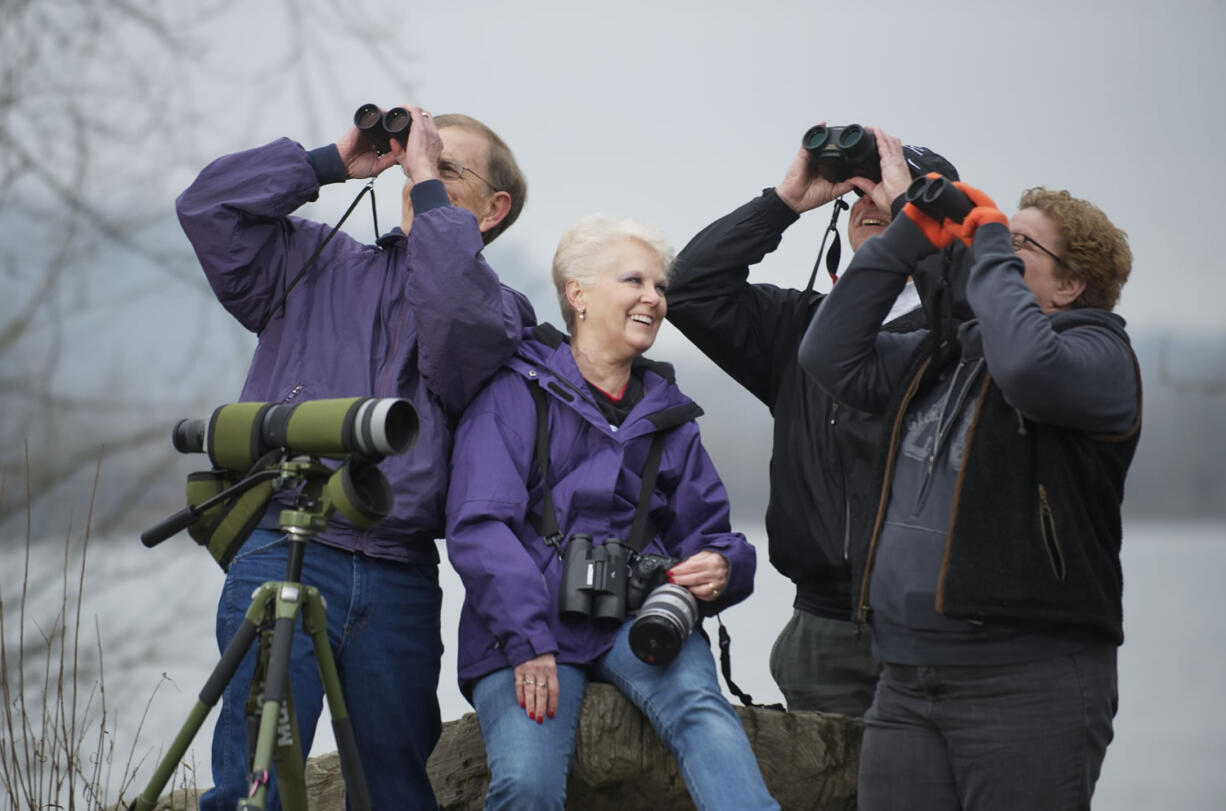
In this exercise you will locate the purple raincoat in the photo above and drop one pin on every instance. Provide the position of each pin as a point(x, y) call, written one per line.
point(511, 576)
point(421, 317)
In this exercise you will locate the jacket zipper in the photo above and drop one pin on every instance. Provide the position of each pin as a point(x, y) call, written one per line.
point(1051, 542)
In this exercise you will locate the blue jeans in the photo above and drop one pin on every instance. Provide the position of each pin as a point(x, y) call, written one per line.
point(529, 762)
point(1001, 737)
point(384, 626)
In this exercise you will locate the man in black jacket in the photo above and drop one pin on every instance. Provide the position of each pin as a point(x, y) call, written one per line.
point(820, 468)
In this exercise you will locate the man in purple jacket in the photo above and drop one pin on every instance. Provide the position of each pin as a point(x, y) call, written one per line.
point(418, 315)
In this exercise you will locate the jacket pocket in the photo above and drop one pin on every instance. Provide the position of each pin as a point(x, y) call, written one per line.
point(1051, 541)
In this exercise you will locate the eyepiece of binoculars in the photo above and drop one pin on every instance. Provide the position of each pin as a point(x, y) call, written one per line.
point(382, 128)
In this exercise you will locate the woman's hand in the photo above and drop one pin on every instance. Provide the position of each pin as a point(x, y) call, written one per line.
point(704, 573)
point(536, 686)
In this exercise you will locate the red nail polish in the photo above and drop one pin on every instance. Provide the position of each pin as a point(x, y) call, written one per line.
point(551, 715)
point(540, 719)
point(523, 706)
point(531, 716)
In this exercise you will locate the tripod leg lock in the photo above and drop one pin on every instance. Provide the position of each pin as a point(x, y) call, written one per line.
point(258, 779)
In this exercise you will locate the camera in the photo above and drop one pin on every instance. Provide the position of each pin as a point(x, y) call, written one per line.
point(837, 153)
point(381, 128)
point(594, 580)
point(667, 615)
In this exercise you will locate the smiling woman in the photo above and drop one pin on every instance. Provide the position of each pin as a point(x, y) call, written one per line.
point(579, 468)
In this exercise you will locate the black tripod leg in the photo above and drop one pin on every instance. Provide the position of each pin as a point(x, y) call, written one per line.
point(357, 794)
point(209, 694)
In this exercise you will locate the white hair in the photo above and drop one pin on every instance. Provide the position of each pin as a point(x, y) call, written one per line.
point(583, 252)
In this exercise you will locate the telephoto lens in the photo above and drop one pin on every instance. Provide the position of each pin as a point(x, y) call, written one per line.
point(663, 624)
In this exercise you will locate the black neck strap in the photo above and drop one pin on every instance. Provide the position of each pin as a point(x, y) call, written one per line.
point(369, 187)
point(547, 523)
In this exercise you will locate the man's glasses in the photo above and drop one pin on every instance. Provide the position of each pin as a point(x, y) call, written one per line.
point(1020, 241)
point(454, 170)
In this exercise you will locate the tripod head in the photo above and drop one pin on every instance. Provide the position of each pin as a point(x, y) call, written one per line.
point(260, 448)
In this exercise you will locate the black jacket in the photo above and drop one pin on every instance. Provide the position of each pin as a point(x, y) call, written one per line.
point(1034, 530)
point(820, 469)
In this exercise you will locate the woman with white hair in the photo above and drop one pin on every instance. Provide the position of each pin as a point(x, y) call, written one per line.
point(579, 437)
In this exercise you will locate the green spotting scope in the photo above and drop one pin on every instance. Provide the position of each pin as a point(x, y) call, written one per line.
point(239, 434)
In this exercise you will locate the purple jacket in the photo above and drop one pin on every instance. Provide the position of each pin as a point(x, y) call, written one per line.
point(421, 317)
point(511, 576)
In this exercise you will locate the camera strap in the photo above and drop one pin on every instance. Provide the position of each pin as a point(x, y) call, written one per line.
point(836, 248)
point(547, 523)
point(369, 187)
point(725, 666)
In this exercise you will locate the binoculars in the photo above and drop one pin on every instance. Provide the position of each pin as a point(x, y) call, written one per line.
point(837, 153)
point(939, 198)
point(380, 128)
point(594, 580)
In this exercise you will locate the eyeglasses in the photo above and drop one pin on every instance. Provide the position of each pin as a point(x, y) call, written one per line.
point(454, 170)
point(1020, 241)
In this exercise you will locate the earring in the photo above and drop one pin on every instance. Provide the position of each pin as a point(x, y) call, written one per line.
point(582, 313)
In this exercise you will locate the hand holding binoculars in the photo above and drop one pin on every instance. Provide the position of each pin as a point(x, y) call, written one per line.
point(939, 198)
point(379, 128)
point(839, 153)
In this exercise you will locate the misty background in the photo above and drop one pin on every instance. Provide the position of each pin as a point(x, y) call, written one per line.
point(674, 113)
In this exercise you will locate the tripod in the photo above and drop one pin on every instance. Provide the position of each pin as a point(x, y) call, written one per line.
point(275, 609)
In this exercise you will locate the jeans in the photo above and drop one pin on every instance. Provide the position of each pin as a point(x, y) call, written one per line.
point(824, 664)
point(999, 737)
point(529, 762)
point(384, 626)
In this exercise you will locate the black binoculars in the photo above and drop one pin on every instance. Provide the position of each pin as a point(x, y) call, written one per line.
point(939, 198)
point(837, 153)
point(381, 128)
point(594, 580)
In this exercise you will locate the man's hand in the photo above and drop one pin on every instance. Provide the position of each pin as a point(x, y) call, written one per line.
point(803, 191)
point(895, 175)
point(419, 157)
point(360, 158)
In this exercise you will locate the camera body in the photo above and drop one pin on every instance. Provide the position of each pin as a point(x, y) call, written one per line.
point(838, 153)
point(380, 128)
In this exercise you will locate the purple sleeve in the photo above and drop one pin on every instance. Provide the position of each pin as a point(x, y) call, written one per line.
point(702, 521)
point(488, 497)
point(468, 323)
point(236, 216)
point(1082, 378)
